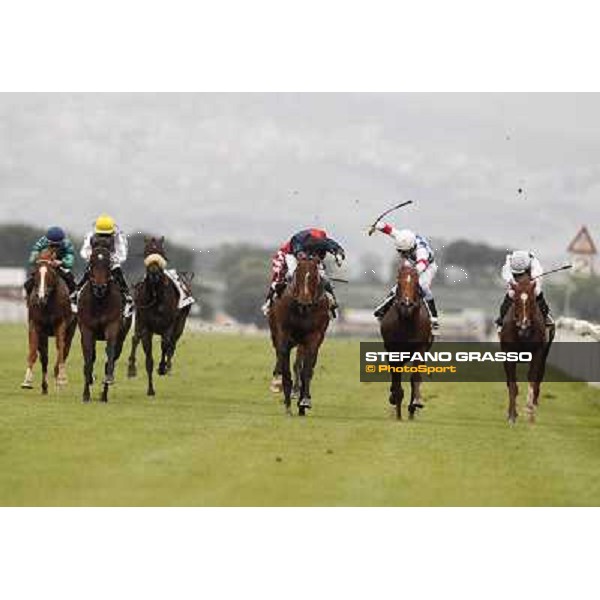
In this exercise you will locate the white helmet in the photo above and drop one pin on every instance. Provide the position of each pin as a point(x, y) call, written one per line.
point(520, 261)
point(406, 240)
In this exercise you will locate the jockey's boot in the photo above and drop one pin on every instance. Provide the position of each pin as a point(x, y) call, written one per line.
point(74, 296)
point(433, 315)
point(503, 310)
point(382, 309)
point(541, 300)
point(333, 303)
point(127, 299)
point(69, 279)
point(266, 307)
point(274, 292)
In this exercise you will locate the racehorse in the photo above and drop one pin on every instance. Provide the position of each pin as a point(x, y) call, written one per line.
point(524, 330)
point(49, 314)
point(100, 316)
point(406, 327)
point(156, 312)
point(299, 318)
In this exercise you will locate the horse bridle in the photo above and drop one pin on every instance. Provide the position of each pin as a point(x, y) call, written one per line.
point(99, 290)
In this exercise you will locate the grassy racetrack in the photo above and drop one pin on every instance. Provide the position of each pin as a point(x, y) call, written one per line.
point(214, 435)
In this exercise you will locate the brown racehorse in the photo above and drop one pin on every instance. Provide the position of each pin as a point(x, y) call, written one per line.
point(406, 327)
point(49, 314)
point(100, 317)
point(299, 319)
point(156, 312)
point(524, 330)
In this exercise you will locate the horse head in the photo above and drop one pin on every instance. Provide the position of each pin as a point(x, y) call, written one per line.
point(155, 267)
point(306, 287)
point(525, 305)
point(154, 245)
point(45, 277)
point(407, 289)
point(100, 272)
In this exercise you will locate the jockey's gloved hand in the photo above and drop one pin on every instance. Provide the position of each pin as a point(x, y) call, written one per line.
point(421, 266)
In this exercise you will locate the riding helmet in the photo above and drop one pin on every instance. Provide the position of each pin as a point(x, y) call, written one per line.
point(105, 225)
point(55, 235)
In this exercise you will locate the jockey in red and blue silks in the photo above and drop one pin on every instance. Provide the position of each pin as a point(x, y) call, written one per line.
point(308, 242)
point(418, 251)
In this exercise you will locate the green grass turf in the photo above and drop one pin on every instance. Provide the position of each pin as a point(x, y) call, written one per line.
point(215, 435)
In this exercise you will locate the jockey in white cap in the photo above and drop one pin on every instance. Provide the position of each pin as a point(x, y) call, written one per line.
point(416, 249)
point(521, 262)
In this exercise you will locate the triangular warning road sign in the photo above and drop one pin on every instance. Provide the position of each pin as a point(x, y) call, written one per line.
point(582, 243)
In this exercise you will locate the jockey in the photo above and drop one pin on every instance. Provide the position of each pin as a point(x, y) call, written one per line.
point(185, 296)
point(522, 262)
point(105, 227)
point(308, 242)
point(65, 256)
point(417, 250)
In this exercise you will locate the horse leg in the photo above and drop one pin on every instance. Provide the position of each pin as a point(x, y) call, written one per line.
point(166, 346)
point(297, 392)
point(310, 354)
point(60, 369)
point(276, 385)
point(415, 395)
point(534, 376)
point(31, 357)
point(43, 349)
point(286, 376)
point(510, 369)
point(146, 338)
point(88, 347)
point(397, 393)
point(132, 368)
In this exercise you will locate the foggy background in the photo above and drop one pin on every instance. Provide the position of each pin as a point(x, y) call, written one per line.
point(227, 178)
point(208, 168)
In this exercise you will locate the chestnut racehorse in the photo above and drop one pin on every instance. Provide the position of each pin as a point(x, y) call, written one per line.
point(156, 312)
point(100, 316)
point(299, 319)
point(406, 327)
point(524, 330)
point(49, 314)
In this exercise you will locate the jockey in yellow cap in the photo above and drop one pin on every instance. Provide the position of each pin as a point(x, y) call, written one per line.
point(106, 227)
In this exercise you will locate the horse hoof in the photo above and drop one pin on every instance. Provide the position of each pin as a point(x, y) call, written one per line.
point(85, 400)
point(301, 411)
point(151, 393)
point(162, 370)
point(131, 373)
point(305, 403)
point(108, 381)
point(392, 400)
point(26, 386)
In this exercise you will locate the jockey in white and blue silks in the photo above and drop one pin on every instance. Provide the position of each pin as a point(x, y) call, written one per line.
point(417, 250)
point(521, 262)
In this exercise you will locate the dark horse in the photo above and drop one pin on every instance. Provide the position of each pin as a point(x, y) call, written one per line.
point(156, 312)
point(299, 319)
point(406, 327)
point(524, 330)
point(49, 314)
point(100, 316)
